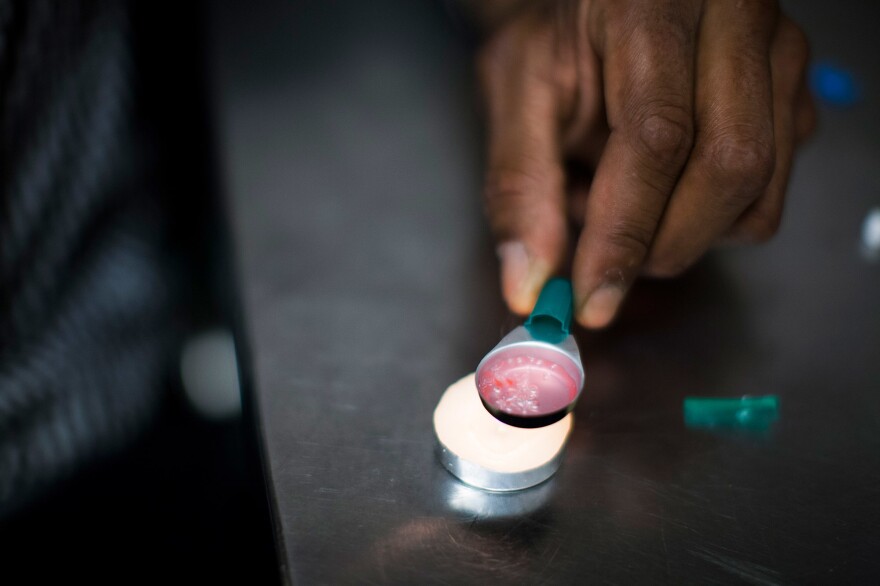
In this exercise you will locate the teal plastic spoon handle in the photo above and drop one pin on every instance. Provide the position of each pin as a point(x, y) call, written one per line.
point(551, 319)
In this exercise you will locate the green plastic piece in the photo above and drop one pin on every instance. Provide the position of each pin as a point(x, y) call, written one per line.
point(550, 321)
point(747, 412)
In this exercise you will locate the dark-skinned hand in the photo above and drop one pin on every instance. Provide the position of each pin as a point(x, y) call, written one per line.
point(686, 114)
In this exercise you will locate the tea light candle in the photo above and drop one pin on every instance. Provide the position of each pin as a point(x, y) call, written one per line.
point(489, 454)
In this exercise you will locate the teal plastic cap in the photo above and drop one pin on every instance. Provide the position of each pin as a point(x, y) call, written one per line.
point(550, 321)
point(747, 412)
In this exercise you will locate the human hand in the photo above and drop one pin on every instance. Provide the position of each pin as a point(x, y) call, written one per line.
point(687, 111)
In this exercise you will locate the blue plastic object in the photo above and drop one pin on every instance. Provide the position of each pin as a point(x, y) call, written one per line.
point(833, 85)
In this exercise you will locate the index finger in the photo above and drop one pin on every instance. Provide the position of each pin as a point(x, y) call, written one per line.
point(648, 72)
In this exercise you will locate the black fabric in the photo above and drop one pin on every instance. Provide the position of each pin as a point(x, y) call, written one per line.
point(87, 292)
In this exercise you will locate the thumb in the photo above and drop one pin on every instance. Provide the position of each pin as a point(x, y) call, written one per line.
point(527, 215)
point(525, 184)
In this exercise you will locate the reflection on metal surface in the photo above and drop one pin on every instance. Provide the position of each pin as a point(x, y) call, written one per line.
point(496, 505)
point(871, 235)
point(209, 371)
point(747, 412)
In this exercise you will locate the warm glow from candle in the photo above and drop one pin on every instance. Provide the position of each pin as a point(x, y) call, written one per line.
point(465, 427)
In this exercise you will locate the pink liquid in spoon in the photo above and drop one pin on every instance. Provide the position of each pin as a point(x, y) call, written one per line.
point(525, 385)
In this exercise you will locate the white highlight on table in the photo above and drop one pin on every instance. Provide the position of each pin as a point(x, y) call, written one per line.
point(871, 235)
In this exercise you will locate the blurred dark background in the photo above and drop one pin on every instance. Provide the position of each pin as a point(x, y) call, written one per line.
point(180, 496)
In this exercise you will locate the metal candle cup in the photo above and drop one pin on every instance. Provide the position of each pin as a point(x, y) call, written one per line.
point(488, 454)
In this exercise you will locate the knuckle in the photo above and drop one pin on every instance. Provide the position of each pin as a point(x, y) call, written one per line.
point(632, 239)
point(743, 158)
point(794, 45)
point(506, 184)
point(506, 188)
point(665, 134)
point(504, 49)
point(493, 56)
point(512, 197)
point(513, 42)
point(526, 54)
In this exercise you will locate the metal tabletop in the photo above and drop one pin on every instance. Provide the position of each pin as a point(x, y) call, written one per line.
point(351, 143)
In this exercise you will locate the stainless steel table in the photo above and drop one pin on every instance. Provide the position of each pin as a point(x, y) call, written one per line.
point(350, 137)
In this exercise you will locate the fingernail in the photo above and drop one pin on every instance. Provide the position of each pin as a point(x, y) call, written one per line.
point(601, 306)
point(521, 276)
